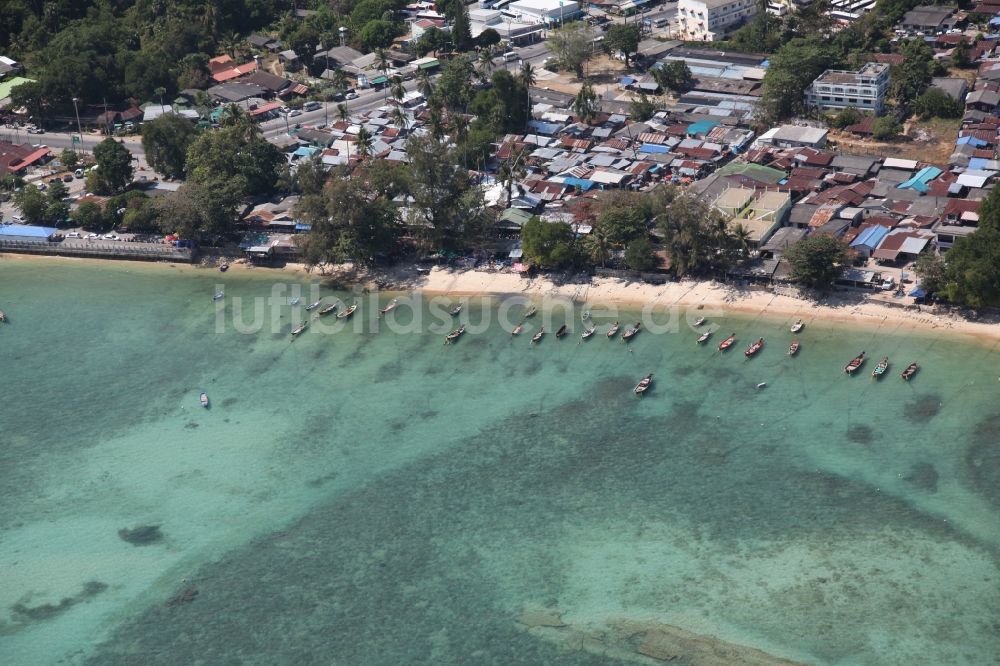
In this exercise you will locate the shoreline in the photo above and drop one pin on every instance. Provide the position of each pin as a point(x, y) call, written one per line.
point(844, 308)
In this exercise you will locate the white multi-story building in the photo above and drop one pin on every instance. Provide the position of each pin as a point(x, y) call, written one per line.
point(708, 20)
point(864, 89)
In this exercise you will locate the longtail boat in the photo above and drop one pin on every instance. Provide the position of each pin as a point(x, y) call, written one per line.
point(454, 312)
point(390, 307)
point(348, 312)
point(454, 335)
point(3, 317)
point(313, 306)
point(531, 312)
point(644, 384)
point(699, 321)
point(728, 342)
point(793, 348)
point(911, 370)
point(219, 295)
point(797, 326)
point(754, 348)
point(538, 336)
point(327, 310)
point(563, 330)
point(301, 327)
point(880, 369)
point(613, 331)
point(704, 337)
point(517, 330)
point(203, 398)
point(588, 333)
point(631, 332)
point(855, 363)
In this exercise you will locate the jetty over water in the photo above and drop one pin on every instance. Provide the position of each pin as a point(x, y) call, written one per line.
point(95, 249)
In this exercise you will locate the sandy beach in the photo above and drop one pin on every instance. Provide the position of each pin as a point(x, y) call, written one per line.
point(847, 307)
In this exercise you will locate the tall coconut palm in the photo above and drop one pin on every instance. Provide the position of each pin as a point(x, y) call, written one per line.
point(424, 84)
point(340, 80)
point(485, 62)
point(585, 103)
point(399, 119)
point(527, 74)
point(598, 245)
point(740, 237)
point(364, 141)
point(397, 89)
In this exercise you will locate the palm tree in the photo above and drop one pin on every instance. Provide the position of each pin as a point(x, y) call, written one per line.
point(527, 74)
point(364, 141)
point(424, 84)
point(585, 103)
point(598, 246)
point(340, 79)
point(397, 89)
point(382, 61)
point(399, 119)
point(740, 238)
point(485, 61)
point(343, 113)
point(436, 123)
point(160, 92)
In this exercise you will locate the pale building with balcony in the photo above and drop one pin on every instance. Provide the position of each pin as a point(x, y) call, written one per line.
point(708, 20)
point(865, 89)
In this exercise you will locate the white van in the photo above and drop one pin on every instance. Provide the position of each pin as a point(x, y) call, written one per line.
point(510, 55)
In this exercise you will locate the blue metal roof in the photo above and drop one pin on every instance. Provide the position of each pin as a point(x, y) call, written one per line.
point(582, 183)
point(920, 179)
point(971, 140)
point(871, 236)
point(25, 230)
point(653, 148)
point(701, 127)
point(978, 163)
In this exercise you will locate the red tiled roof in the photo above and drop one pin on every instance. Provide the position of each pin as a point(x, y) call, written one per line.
point(890, 58)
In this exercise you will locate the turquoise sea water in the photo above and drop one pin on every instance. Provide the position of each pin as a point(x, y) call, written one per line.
point(381, 498)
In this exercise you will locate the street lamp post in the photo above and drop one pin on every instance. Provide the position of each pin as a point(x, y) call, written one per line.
point(561, 21)
point(79, 129)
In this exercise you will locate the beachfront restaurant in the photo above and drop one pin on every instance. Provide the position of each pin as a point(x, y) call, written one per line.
point(23, 233)
point(858, 278)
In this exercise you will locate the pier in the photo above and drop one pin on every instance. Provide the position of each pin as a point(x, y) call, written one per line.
point(94, 249)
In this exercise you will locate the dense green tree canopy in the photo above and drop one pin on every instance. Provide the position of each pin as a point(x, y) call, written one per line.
point(624, 40)
point(817, 260)
point(548, 243)
point(793, 67)
point(114, 165)
point(166, 141)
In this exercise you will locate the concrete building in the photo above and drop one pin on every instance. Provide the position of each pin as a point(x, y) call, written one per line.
point(793, 136)
point(708, 20)
point(547, 12)
point(864, 89)
point(760, 213)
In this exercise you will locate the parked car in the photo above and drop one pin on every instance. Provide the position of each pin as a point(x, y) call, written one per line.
point(888, 284)
point(74, 234)
point(294, 113)
point(311, 106)
point(78, 173)
point(67, 178)
point(351, 95)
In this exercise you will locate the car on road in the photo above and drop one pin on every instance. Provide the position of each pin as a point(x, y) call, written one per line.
point(294, 113)
point(92, 236)
point(74, 234)
point(78, 173)
point(351, 95)
point(67, 178)
point(311, 106)
point(36, 130)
